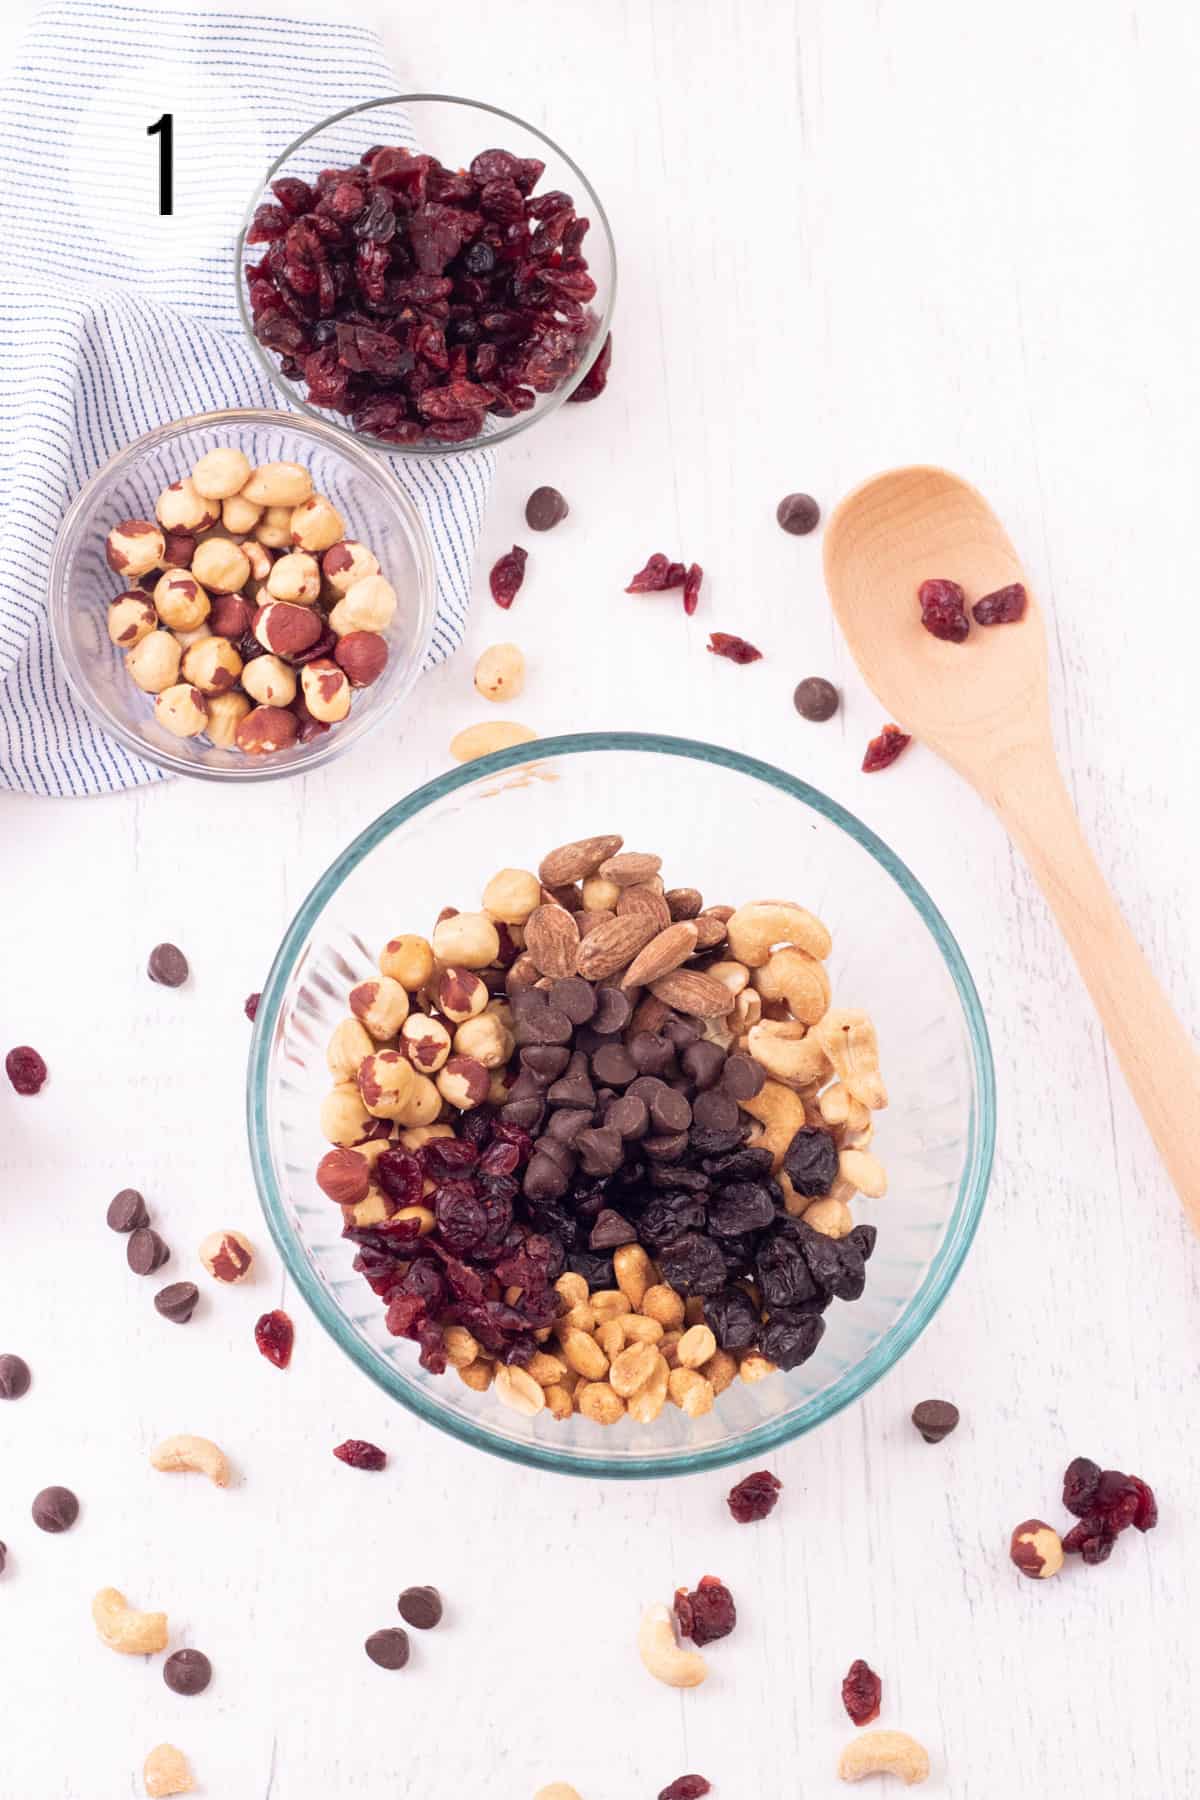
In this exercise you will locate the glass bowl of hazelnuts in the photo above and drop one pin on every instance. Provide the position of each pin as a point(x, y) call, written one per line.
point(241, 595)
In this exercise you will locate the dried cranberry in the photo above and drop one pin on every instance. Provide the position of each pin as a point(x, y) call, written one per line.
point(754, 1497)
point(596, 379)
point(274, 1334)
point(400, 1176)
point(296, 197)
point(359, 1454)
point(1003, 607)
point(735, 649)
point(706, 1614)
point(447, 1156)
point(691, 588)
point(687, 1787)
point(1116, 1499)
point(507, 575)
point(862, 1691)
point(1092, 1539)
point(1079, 1486)
point(943, 610)
point(653, 578)
point(250, 1006)
point(883, 750)
point(25, 1069)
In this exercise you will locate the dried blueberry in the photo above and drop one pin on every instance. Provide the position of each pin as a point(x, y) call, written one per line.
point(811, 1162)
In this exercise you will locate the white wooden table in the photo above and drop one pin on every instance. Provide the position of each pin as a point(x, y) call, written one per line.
point(850, 234)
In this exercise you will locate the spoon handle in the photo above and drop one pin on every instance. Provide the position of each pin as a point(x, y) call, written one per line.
point(1160, 1061)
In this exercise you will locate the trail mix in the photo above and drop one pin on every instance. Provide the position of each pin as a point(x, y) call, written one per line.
point(250, 616)
point(596, 1142)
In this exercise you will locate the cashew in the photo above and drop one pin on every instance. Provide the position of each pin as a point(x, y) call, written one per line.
point(832, 1218)
point(848, 1039)
point(733, 975)
point(121, 1628)
point(866, 1172)
point(787, 1050)
point(661, 1655)
point(558, 1790)
point(795, 976)
point(756, 929)
point(187, 1454)
point(837, 1106)
point(884, 1753)
point(780, 1112)
point(747, 1010)
point(165, 1771)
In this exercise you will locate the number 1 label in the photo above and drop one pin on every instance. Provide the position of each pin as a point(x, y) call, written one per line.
point(164, 130)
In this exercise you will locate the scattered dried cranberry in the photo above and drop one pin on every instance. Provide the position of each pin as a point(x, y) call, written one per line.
point(734, 649)
point(861, 1692)
point(1003, 607)
point(1092, 1539)
point(943, 610)
point(596, 379)
point(883, 750)
point(687, 1787)
point(1079, 1486)
point(274, 1334)
point(706, 1614)
point(250, 1008)
point(654, 578)
point(691, 588)
point(507, 575)
point(1145, 1517)
point(358, 1454)
point(25, 1069)
point(754, 1497)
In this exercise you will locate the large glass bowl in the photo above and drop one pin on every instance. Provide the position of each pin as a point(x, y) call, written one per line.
point(455, 131)
point(736, 829)
point(376, 509)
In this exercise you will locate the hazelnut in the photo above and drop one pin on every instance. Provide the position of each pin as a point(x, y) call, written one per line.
point(296, 576)
point(286, 629)
point(511, 895)
point(230, 616)
point(181, 601)
point(460, 994)
point(266, 729)
point(363, 655)
point(486, 1039)
point(182, 508)
point(463, 1083)
point(426, 1042)
point(274, 529)
point(408, 960)
point(179, 547)
point(381, 1005)
point(185, 639)
point(468, 939)
point(317, 524)
point(385, 1081)
point(134, 547)
point(228, 1256)
point(1036, 1549)
point(370, 605)
point(326, 690)
point(346, 1048)
point(225, 714)
point(345, 1176)
point(182, 710)
point(221, 565)
point(212, 665)
point(239, 515)
point(154, 663)
point(270, 681)
point(500, 672)
point(131, 617)
point(259, 560)
point(278, 484)
point(221, 473)
point(348, 562)
point(424, 1103)
point(344, 1119)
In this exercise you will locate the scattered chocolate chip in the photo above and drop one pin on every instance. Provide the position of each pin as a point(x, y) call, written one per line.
point(3, 1556)
point(421, 1607)
point(127, 1211)
point(55, 1509)
point(146, 1251)
point(388, 1648)
point(178, 1301)
point(935, 1419)
point(187, 1672)
point(545, 508)
point(14, 1377)
point(250, 1006)
point(167, 965)
point(816, 699)
point(798, 514)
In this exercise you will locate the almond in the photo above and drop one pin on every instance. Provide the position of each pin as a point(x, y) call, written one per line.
point(684, 903)
point(662, 954)
point(710, 931)
point(588, 921)
point(644, 900)
point(552, 940)
point(649, 1015)
point(631, 868)
point(691, 991)
point(571, 862)
point(612, 947)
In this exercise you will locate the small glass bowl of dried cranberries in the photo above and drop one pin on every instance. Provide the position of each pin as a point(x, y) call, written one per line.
point(428, 274)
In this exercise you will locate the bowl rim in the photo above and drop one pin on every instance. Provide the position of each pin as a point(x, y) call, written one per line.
point(523, 421)
point(331, 744)
point(882, 1356)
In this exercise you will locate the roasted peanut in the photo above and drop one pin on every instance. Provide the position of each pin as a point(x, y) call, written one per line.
point(720, 1370)
point(518, 1390)
point(696, 1346)
point(461, 1347)
point(632, 1369)
point(583, 1354)
point(664, 1304)
point(611, 1338)
point(165, 1772)
point(610, 1303)
point(754, 1367)
point(599, 1403)
point(476, 1375)
point(690, 1391)
point(648, 1401)
point(633, 1271)
point(640, 1330)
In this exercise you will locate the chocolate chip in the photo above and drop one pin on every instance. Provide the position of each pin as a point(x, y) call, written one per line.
point(545, 508)
point(666, 1146)
point(670, 1111)
point(167, 965)
point(613, 1065)
point(628, 1115)
point(652, 1053)
point(614, 1009)
point(127, 1211)
point(146, 1251)
point(540, 1024)
point(3, 1556)
point(543, 1179)
point(681, 1031)
point(703, 1061)
point(388, 1648)
point(560, 1153)
point(567, 1123)
point(187, 1672)
point(600, 1150)
point(575, 1087)
point(935, 1419)
point(816, 699)
point(14, 1377)
point(798, 514)
point(55, 1509)
point(546, 1061)
point(527, 1114)
point(420, 1607)
point(645, 1088)
point(178, 1301)
point(574, 996)
point(610, 1230)
point(742, 1077)
point(715, 1110)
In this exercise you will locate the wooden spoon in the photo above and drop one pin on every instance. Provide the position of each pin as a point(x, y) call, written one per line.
point(984, 706)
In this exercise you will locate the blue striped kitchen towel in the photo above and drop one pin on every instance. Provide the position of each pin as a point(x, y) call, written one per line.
point(113, 320)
